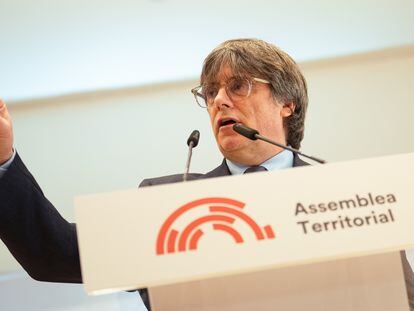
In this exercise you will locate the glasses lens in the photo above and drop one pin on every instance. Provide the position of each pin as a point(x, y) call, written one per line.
point(199, 97)
point(238, 88)
point(210, 92)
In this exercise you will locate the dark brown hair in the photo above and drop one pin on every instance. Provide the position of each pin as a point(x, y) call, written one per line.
point(257, 58)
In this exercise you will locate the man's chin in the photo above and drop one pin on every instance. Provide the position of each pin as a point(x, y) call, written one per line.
point(230, 145)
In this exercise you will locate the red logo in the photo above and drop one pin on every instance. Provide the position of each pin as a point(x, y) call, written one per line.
point(221, 213)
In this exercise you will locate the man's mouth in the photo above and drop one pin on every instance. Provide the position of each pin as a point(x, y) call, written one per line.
point(226, 122)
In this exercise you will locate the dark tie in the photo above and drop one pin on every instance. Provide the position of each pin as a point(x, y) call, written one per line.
point(254, 169)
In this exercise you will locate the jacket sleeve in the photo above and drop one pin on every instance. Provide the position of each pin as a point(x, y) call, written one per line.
point(36, 234)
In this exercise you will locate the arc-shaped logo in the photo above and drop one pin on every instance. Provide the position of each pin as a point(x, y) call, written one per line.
point(222, 213)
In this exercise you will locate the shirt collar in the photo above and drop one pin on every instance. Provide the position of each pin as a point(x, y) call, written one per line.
point(282, 160)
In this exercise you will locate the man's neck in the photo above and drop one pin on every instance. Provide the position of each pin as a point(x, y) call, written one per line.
point(281, 160)
point(253, 157)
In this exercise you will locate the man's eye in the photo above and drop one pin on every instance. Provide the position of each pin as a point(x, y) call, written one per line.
point(211, 92)
point(238, 87)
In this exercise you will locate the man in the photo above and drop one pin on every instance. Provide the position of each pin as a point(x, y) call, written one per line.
point(246, 80)
point(254, 83)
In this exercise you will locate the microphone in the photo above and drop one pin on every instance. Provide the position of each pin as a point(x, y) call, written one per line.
point(254, 135)
point(192, 142)
point(193, 139)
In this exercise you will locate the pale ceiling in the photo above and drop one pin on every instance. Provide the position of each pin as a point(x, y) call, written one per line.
point(52, 47)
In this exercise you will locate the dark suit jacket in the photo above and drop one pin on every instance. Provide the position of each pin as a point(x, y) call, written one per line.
point(46, 245)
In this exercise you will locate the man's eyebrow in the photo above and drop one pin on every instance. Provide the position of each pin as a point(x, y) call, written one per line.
point(211, 83)
point(226, 79)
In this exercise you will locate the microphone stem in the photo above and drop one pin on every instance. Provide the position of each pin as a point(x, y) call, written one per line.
point(258, 136)
point(187, 165)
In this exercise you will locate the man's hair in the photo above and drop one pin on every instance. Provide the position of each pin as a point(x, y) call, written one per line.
point(259, 59)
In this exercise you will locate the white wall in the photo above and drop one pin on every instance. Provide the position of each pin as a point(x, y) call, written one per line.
point(360, 106)
point(19, 293)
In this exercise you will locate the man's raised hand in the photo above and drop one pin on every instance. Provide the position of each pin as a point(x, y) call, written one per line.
point(6, 134)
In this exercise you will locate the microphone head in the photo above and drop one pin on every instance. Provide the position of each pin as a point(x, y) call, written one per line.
point(245, 131)
point(194, 138)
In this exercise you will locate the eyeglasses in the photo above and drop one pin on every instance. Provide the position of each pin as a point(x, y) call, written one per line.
point(236, 89)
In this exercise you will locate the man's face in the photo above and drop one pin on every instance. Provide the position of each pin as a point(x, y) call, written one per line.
point(259, 111)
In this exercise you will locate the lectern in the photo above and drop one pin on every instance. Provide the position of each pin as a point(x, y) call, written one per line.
point(309, 238)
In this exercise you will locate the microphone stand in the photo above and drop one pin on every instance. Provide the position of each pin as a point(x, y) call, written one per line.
point(187, 165)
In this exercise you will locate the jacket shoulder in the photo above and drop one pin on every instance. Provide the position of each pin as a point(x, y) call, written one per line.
point(170, 179)
point(221, 170)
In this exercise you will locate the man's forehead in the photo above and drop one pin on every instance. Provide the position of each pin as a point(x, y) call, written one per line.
point(224, 74)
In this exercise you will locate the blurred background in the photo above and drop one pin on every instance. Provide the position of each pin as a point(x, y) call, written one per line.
point(99, 93)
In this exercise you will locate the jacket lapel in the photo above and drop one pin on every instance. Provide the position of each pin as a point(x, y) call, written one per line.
point(221, 170)
point(298, 161)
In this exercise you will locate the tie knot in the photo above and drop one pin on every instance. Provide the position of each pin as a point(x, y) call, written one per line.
point(254, 169)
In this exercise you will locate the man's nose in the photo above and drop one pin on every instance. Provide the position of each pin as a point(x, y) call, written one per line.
point(222, 99)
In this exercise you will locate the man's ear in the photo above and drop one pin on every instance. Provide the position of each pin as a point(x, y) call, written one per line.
point(287, 109)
